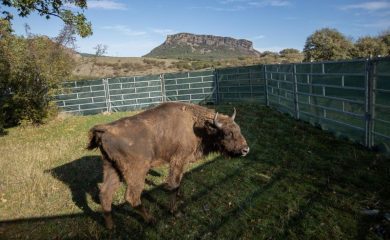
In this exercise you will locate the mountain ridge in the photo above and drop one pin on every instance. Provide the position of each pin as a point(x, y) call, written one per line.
point(195, 46)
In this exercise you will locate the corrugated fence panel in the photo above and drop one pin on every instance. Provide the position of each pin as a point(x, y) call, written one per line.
point(241, 84)
point(194, 87)
point(349, 98)
point(381, 96)
point(130, 93)
point(333, 96)
point(280, 87)
point(83, 97)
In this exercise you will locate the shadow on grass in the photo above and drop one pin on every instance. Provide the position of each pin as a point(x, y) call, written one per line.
point(201, 195)
point(297, 183)
point(82, 177)
point(3, 132)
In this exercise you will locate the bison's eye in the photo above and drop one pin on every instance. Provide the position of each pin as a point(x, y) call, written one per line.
point(229, 134)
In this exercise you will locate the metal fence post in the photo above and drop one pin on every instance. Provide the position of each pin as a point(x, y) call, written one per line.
point(107, 94)
point(162, 80)
point(250, 82)
point(266, 86)
point(370, 102)
point(296, 103)
point(216, 80)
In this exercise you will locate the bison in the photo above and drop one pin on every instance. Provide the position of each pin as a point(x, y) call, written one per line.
point(173, 133)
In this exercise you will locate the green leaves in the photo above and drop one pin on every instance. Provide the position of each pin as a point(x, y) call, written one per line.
point(49, 8)
point(30, 70)
point(327, 44)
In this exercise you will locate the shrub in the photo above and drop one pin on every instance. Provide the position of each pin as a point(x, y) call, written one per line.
point(31, 69)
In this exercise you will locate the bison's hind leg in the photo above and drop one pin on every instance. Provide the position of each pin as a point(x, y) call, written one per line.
point(111, 182)
point(135, 180)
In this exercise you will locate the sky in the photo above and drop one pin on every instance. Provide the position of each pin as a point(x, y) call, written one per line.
point(133, 28)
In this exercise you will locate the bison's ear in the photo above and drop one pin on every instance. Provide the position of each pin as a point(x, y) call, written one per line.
point(211, 128)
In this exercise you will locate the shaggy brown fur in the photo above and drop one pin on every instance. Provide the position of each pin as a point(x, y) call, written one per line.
point(173, 133)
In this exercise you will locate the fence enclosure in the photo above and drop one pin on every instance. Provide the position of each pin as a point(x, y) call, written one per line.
point(349, 98)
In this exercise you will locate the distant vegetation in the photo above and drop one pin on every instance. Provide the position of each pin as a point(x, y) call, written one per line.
point(330, 44)
point(323, 45)
point(129, 66)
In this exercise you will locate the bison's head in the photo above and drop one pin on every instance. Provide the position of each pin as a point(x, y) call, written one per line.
point(229, 137)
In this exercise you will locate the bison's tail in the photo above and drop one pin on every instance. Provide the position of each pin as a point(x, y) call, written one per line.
point(94, 136)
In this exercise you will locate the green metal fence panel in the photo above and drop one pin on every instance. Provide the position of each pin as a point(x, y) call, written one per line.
point(130, 93)
point(194, 87)
point(333, 95)
point(280, 87)
point(241, 84)
point(349, 98)
point(83, 97)
point(380, 113)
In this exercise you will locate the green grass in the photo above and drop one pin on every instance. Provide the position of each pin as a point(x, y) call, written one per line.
point(298, 182)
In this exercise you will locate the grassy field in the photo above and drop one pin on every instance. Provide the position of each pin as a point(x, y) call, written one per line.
point(90, 67)
point(298, 182)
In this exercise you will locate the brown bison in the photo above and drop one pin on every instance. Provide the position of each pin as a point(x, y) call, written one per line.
point(173, 133)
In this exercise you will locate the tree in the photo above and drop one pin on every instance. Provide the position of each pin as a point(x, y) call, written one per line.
point(327, 44)
point(288, 51)
point(385, 38)
point(291, 55)
point(369, 47)
point(50, 8)
point(100, 50)
point(31, 70)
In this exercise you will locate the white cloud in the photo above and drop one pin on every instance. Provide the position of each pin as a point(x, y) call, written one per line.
point(382, 24)
point(106, 4)
point(271, 49)
point(272, 3)
point(124, 30)
point(240, 5)
point(163, 31)
point(258, 37)
point(259, 3)
point(369, 6)
point(222, 9)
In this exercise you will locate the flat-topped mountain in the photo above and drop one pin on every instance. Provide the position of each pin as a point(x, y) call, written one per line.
point(187, 45)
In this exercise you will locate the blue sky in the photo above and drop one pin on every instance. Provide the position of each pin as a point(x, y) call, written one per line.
point(133, 28)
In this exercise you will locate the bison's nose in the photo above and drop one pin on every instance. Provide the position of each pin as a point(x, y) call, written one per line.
point(245, 151)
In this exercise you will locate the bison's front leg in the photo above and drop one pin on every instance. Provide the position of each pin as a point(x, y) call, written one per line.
point(176, 172)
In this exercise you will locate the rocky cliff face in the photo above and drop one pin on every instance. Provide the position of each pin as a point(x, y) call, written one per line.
point(206, 46)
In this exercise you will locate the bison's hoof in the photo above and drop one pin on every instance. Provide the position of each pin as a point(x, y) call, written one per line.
point(151, 220)
point(109, 224)
point(178, 214)
point(169, 187)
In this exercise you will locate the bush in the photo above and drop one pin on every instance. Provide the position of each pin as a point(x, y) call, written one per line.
point(327, 44)
point(31, 70)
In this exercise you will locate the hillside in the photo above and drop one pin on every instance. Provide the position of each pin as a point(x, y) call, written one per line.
point(192, 46)
point(90, 67)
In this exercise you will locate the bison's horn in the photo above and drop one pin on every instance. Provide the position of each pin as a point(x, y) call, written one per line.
point(216, 123)
point(234, 114)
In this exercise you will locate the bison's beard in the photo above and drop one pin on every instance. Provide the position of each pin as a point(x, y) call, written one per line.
point(229, 154)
